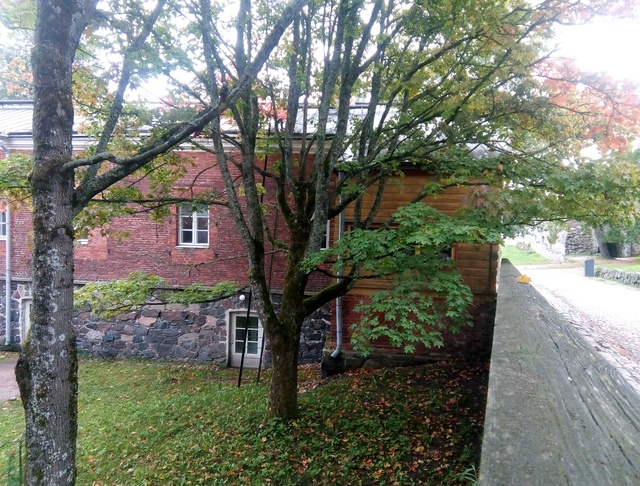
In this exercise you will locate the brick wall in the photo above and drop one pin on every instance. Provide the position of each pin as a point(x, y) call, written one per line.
point(153, 247)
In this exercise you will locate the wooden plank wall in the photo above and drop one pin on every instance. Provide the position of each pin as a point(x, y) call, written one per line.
point(478, 264)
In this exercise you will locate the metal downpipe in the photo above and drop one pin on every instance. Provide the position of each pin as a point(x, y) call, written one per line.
point(339, 339)
point(7, 304)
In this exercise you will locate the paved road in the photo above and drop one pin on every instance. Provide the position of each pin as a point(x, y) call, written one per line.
point(8, 386)
point(606, 313)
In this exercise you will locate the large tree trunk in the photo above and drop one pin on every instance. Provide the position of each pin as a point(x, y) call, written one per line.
point(283, 390)
point(604, 249)
point(284, 336)
point(47, 367)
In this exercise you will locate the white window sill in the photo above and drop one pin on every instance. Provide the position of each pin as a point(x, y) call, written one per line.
point(192, 246)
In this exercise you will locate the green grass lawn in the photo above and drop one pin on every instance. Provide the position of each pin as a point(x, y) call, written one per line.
point(157, 423)
point(626, 264)
point(520, 257)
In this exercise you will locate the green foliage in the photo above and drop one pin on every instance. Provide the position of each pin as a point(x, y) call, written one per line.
point(425, 294)
point(417, 309)
point(149, 422)
point(11, 439)
point(108, 299)
point(12, 465)
point(469, 476)
point(14, 175)
point(555, 228)
point(16, 79)
point(197, 293)
point(623, 233)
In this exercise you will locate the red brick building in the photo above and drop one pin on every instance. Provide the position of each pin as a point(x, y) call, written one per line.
point(201, 245)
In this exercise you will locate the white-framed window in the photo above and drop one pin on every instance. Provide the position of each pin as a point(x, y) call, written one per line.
point(193, 225)
point(3, 225)
point(244, 334)
point(327, 234)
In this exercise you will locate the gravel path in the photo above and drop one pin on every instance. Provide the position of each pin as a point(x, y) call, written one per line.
point(8, 386)
point(605, 312)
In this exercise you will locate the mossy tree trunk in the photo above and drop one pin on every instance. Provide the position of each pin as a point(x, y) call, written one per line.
point(47, 367)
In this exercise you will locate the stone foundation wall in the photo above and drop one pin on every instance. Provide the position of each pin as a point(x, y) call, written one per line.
point(19, 290)
point(195, 333)
point(556, 246)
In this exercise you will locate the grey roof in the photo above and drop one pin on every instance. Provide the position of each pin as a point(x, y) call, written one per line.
point(16, 117)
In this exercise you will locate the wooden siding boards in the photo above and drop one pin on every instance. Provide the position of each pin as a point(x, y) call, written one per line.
point(476, 263)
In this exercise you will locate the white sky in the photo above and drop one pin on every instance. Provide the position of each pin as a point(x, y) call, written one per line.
point(612, 46)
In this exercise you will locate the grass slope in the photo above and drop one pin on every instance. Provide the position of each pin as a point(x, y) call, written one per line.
point(154, 423)
point(627, 264)
point(519, 257)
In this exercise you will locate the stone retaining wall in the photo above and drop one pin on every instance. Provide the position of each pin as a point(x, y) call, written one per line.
point(19, 290)
point(580, 240)
point(556, 247)
point(627, 278)
point(195, 333)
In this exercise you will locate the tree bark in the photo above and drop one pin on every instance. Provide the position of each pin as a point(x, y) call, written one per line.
point(47, 367)
point(604, 249)
point(283, 390)
point(284, 333)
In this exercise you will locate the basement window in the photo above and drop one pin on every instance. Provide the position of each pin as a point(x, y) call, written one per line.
point(3, 225)
point(193, 225)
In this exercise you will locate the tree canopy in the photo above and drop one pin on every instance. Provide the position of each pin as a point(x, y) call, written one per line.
point(342, 97)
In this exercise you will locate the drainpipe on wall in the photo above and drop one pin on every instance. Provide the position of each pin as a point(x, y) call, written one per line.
point(7, 304)
point(336, 352)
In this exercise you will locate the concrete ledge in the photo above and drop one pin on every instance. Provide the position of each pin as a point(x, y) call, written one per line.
point(557, 413)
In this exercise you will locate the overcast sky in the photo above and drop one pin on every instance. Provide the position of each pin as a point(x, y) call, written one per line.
point(606, 45)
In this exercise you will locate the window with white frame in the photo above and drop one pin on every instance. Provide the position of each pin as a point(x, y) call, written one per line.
point(3, 225)
point(83, 240)
point(327, 235)
point(245, 333)
point(193, 225)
